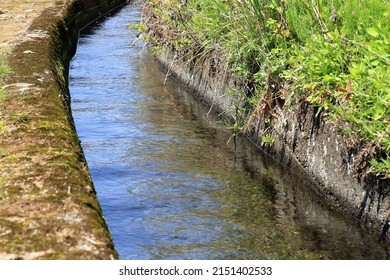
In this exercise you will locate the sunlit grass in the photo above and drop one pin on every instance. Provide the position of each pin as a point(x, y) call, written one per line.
point(4, 69)
point(333, 54)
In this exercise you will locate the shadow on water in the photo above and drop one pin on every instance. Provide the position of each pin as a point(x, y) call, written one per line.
point(170, 184)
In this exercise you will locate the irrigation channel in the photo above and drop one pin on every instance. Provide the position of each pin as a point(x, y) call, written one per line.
point(171, 184)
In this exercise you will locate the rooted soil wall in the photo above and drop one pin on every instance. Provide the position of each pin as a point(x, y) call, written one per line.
point(304, 140)
point(48, 205)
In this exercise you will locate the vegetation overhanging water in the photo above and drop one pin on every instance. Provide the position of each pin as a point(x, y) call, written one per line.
point(334, 55)
point(170, 185)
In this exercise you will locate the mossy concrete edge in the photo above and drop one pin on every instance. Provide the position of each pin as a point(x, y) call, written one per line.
point(48, 204)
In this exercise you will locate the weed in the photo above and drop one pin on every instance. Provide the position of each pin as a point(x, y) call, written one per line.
point(4, 67)
point(381, 167)
point(267, 139)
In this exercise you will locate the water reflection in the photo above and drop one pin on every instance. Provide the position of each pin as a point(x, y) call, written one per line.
point(170, 185)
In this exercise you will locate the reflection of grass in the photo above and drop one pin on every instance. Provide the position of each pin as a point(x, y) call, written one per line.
point(251, 204)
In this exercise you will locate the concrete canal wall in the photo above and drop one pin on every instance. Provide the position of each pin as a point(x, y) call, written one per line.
point(48, 205)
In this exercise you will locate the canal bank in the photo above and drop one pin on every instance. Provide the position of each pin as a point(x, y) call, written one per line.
point(48, 204)
point(298, 135)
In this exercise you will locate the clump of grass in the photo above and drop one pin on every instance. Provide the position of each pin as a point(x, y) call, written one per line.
point(333, 54)
point(4, 68)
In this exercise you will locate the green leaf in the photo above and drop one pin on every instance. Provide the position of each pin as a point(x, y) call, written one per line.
point(373, 31)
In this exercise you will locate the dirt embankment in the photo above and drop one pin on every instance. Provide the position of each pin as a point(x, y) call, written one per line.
point(48, 205)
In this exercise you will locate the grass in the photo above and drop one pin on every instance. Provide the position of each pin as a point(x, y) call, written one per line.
point(4, 68)
point(333, 54)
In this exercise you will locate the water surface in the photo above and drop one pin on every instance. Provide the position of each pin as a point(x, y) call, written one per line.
point(171, 184)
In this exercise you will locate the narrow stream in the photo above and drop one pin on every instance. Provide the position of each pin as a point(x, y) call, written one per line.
point(171, 184)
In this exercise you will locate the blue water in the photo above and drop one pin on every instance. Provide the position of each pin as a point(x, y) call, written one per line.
point(171, 184)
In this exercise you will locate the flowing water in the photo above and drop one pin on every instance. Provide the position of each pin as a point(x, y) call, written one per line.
point(171, 184)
